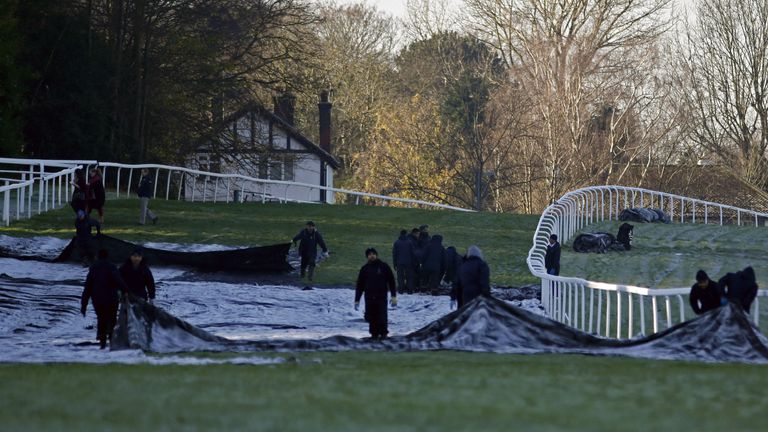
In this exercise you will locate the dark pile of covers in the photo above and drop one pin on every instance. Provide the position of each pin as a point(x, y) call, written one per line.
point(644, 215)
point(484, 325)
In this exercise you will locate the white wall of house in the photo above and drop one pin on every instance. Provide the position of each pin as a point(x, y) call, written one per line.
point(289, 160)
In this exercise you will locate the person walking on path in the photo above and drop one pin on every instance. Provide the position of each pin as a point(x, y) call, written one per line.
point(138, 277)
point(705, 294)
point(373, 281)
point(96, 194)
point(146, 189)
point(474, 277)
point(552, 257)
point(404, 259)
point(309, 239)
point(104, 288)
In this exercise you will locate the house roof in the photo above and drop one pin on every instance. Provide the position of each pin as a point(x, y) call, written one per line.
point(290, 129)
point(706, 182)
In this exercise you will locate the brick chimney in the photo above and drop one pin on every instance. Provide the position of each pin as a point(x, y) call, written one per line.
point(285, 106)
point(325, 121)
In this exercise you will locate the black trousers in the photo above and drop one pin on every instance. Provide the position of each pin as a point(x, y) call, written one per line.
point(106, 316)
point(406, 278)
point(376, 315)
point(308, 261)
point(433, 280)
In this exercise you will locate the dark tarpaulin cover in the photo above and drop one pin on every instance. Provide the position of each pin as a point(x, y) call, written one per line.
point(597, 242)
point(255, 259)
point(483, 325)
point(644, 215)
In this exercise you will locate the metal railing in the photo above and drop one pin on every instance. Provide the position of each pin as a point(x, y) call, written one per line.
point(50, 182)
point(615, 310)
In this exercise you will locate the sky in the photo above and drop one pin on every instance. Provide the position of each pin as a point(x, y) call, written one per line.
point(397, 7)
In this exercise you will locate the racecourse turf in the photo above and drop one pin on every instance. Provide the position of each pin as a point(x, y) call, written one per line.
point(348, 230)
point(434, 391)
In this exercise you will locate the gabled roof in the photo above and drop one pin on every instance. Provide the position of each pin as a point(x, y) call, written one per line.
point(290, 129)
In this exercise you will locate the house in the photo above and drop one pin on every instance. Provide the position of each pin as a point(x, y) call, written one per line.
point(264, 144)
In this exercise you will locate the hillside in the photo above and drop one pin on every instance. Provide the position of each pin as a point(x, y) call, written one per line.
point(348, 230)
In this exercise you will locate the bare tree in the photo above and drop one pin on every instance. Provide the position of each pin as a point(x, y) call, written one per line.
point(582, 62)
point(725, 60)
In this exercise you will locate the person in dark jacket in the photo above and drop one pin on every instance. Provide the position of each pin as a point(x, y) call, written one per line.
point(96, 194)
point(705, 294)
point(474, 277)
point(740, 288)
point(373, 281)
point(414, 239)
point(103, 287)
point(84, 234)
point(452, 263)
point(626, 235)
point(422, 243)
point(146, 190)
point(404, 259)
point(79, 192)
point(309, 239)
point(434, 262)
point(552, 257)
point(138, 277)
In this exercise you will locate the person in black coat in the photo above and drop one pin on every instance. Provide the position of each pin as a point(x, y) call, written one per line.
point(84, 235)
point(96, 194)
point(373, 281)
point(103, 287)
point(309, 239)
point(474, 277)
point(552, 257)
point(422, 243)
point(414, 239)
point(740, 287)
point(138, 277)
point(434, 262)
point(452, 263)
point(79, 192)
point(404, 259)
point(705, 294)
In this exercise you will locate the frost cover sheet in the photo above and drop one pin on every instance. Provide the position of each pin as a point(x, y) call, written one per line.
point(268, 259)
point(484, 325)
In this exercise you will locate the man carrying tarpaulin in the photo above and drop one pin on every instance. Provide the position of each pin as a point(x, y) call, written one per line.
point(374, 280)
point(103, 287)
point(309, 239)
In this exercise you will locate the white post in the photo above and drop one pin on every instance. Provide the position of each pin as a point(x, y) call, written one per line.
point(228, 180)
point(668, 306)
point(117, 184)
point(168, 185)
point(157, 177)
point(607, 314)
point(130, 181)
point(642, 315)
point(599, 310)
point(182, 184)
point(7, 204)
point(205, 188)
point(618, 314)
point(629, 317)
point(655, 315)
point(591, 307)
point(21, 194)
point(215, 188)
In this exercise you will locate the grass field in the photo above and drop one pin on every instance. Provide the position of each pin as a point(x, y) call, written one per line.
point(666, 256)
point(436, 391)
point(348, 231)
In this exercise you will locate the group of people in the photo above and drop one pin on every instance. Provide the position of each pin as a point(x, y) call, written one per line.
point(739, 288)
point(105, 285)
point(420, 260)
point(89, 195)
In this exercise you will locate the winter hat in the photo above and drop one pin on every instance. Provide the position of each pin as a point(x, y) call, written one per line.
point(370, 251)
point(474, 251)
point(138, 251)
point(310, 223)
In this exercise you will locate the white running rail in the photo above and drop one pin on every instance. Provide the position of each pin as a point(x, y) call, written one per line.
point(49, 181)
point(614, 310)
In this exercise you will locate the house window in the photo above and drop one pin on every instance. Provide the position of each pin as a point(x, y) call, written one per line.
point(263, 166)
point(276, 169)
point(288, 168)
